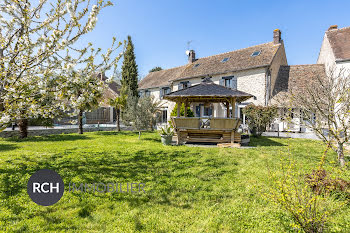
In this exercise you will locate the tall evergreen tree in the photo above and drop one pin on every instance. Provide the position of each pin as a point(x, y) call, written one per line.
point(129, 71)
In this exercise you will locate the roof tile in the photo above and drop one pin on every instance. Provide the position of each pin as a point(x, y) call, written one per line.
point(340, 42)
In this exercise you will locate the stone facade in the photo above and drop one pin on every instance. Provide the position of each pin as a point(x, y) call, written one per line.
point(326, 55)
point(279, 60)
point(252, 81)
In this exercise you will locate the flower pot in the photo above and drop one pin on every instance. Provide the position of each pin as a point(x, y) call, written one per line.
point(166, 139)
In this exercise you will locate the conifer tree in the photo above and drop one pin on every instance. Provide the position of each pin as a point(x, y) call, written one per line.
point(129, 71)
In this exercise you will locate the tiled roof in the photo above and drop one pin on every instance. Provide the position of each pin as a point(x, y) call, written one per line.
point(340, 42)
point(113, 86)
point(294, 79)
point(209, 89)
point(237, 60)
point(160, 78)
point(111, 92)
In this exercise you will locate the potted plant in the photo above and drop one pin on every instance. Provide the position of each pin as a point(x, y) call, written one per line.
point(245, 138)
point(166, 134)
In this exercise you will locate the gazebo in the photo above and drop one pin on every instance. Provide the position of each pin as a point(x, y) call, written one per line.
point(207, 129)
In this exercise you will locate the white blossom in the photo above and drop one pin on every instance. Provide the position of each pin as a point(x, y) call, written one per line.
point(5, 119)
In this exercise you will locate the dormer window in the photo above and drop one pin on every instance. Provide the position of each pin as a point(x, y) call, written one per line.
point(164, 91)
point(225, 59)
point(256, 53)
point(183, 85)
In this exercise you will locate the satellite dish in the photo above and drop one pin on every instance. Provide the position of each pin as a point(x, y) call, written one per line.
point(187, 52)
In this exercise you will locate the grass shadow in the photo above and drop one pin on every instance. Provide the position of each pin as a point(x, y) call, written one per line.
point(49, 138)
point(151, 139)
point(109, 133)
point(7, 147)
point(263, 141)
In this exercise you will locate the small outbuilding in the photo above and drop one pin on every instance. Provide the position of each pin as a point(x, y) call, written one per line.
point(207, 129)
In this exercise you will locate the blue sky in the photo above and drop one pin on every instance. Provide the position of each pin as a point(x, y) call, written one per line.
point(160, 29)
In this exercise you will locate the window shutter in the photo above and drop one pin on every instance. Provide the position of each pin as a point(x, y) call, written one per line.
point(222, 82)
point(161, 93)
point(198, 111)
point(188, 84)
point(234, 83)
point(179, 86)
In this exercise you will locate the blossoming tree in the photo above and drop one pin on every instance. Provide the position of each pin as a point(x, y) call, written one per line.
point(83, 87)
point(37, 42)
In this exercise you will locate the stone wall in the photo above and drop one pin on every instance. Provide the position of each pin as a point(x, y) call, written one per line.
point(44, 132)
point(279, 59)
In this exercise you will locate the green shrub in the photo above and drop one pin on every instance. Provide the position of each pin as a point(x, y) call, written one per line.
point(182, 111)
point(259, 117)
point(307, 199)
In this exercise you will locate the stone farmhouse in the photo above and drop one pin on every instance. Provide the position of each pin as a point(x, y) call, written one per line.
point(335, 48)
point(261, 70)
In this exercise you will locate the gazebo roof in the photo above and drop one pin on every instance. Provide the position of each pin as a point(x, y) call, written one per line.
point(207, 90)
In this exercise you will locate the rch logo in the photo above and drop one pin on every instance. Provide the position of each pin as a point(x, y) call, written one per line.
point(45, 187)
point(37, 187)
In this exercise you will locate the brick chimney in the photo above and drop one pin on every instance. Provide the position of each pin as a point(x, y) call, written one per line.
point(333, 27)
point(191, 56)
point(276, 36)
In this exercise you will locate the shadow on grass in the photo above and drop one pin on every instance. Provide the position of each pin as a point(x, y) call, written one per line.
point(108, 133)
point(263, 141)
point(153, 139)
point(177, 178)
point(124, 132)
point(7, 147)
point(49, 138)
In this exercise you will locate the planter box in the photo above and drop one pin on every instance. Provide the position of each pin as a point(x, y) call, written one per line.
point(245, 139)
point(166, 139)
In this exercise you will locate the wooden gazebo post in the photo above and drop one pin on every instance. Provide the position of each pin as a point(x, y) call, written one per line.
point(227, 109)
point(186, 105)
point(179, 103)
point(233, 104)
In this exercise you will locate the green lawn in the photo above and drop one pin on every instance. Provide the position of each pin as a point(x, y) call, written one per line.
point(191, 189)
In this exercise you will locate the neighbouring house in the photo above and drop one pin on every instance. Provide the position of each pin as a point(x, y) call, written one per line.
point(335, 49)
point(334, 54)
point(293, 79)
point(104, 113)
point(253, 70)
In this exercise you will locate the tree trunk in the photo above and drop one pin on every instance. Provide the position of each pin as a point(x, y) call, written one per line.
point(139, 135)
point(80, 122)
point(23, 128)
point(340, 152)
point(118, 119)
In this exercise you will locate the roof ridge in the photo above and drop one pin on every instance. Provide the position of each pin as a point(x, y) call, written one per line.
point(235, 50)
point(306, 65)
point(176, 67)
point(338, 29)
